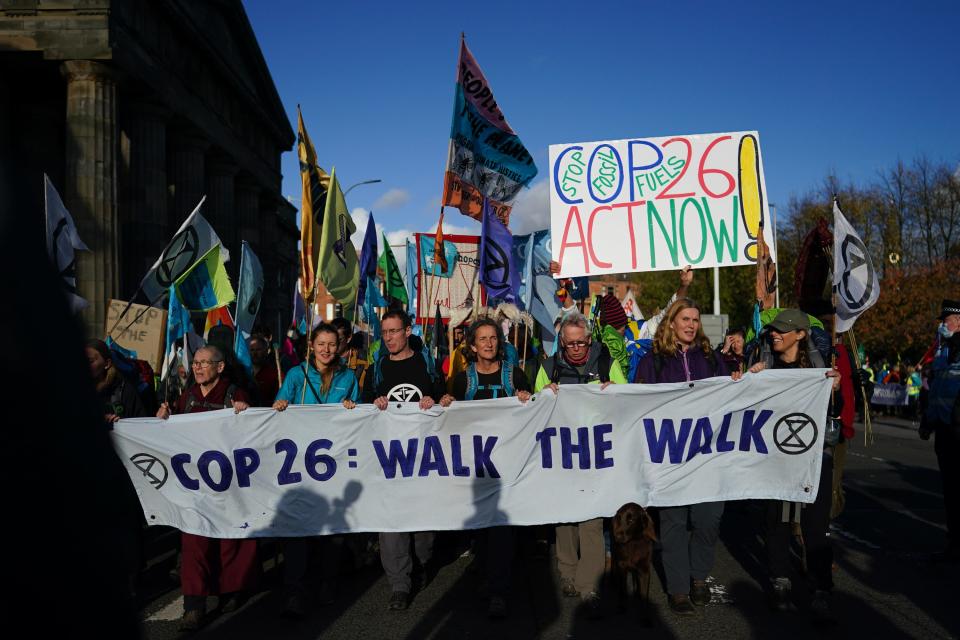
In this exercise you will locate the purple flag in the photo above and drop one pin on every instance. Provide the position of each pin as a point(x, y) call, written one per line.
point(498, 273)
point(368, 257)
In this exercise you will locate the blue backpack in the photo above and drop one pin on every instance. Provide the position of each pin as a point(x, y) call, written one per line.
point(506, 382)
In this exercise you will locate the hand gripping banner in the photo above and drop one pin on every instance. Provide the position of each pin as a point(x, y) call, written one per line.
point(313, 470)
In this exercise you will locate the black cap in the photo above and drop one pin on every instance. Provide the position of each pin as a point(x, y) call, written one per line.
point(948, 308)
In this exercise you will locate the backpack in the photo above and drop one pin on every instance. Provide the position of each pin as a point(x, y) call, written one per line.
point(506, 382)
point(604, 360)
point(211, 406)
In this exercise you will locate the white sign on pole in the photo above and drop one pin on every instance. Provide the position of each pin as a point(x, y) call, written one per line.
point(652, 204)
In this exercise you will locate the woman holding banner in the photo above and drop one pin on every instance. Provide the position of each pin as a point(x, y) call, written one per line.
point(682, 353)
point(326, 379)
point(785, 344)
point(489, 374)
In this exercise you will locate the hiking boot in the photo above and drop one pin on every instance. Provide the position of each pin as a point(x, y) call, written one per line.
point(822, 608)
point(591, 603)
point(680, 604)
point(568, 589)
point(192, 620)
point(293, 605)
point(780, 595)
point(230, 602)
point(497, 609)
point(399, 601)
point(700, 593)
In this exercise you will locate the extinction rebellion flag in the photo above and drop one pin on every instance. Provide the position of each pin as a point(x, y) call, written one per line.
point(854, 279)
point(486, 158)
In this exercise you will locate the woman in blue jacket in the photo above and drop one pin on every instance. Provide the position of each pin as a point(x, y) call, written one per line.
point(324, 380)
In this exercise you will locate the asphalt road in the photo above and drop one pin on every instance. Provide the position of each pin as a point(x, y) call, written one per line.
point(887, 585)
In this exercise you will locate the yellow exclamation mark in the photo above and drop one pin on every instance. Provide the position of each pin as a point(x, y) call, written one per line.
point(751, 196)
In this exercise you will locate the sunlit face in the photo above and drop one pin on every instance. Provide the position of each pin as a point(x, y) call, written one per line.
point(782, 342)
point(485, 343)
point(952, 322)
point(325, 348)
point(206, 370)
point(395, 335)
point(98, 364)
point(575, 341)
point(685, 325)
point(258, 351)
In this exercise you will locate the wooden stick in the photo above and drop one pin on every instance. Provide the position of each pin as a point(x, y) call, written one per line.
point(867, 422)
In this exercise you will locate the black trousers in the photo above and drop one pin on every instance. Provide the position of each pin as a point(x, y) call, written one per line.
point(814, 524)
point(947, 446)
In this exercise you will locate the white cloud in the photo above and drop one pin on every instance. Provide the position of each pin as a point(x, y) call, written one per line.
point(531, 209)
point(392, 199)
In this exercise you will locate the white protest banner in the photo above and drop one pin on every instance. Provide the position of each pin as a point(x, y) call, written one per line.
point(582, 454)
point(652, 204)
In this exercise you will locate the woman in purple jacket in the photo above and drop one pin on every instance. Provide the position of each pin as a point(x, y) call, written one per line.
point(681, 353)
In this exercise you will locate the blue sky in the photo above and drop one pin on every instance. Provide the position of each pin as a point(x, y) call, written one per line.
point(844, 87)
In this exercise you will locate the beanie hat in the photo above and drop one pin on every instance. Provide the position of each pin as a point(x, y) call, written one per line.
point(611, 312)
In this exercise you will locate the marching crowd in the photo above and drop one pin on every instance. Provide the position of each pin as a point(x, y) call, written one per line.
point(601, 348)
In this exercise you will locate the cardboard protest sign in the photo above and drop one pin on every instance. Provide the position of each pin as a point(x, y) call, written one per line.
point(457, 291)
point(654, 204)
point(146, 336)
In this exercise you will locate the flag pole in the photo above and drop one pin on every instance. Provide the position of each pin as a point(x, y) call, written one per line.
point(236, 336)
point(139, 315)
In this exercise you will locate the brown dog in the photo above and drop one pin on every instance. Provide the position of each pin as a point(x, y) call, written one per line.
point(633, 538)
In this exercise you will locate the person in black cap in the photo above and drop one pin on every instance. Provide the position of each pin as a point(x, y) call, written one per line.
point(940, 414)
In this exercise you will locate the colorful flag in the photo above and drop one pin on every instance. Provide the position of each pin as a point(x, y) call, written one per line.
point(217, 317)
point(178, 324)
point(338, 268)
point(855, 281)
point(368, 257)
point(486, 159)
point(193, 240)
point(316, 184)
point(392, 278)
point(206, 285)
point(498, 273)
point(299, 319)
point(411, 278)
point(523, 258)
point(249, 294)
point(62, 243)
point(428, 255)
point(372, 301)
point(439, 255)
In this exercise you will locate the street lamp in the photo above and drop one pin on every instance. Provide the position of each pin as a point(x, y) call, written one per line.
point(360, 183)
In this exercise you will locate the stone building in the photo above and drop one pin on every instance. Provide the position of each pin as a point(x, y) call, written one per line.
point(136, 109)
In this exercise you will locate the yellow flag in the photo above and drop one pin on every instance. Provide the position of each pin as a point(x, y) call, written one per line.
point(316, 182)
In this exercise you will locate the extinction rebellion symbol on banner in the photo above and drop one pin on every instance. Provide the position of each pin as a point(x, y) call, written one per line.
point(151, 468)
point(795, 433)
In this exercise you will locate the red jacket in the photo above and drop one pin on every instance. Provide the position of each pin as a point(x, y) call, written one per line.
point(216, 399)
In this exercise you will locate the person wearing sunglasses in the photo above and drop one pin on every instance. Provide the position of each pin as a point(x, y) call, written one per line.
point(581, 555)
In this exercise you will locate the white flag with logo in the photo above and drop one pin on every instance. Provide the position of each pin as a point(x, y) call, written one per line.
point(192, 241)
point(630, 306)
point(62, 243)
point(855, 281)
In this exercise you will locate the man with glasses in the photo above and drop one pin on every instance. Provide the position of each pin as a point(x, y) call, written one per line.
point(402, 374)
point(234, 561)
point(581, 555)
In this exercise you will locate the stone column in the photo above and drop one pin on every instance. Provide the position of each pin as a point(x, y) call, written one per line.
point(186, 177)
point(144, 221)
point(220, 209)
point(91, 182)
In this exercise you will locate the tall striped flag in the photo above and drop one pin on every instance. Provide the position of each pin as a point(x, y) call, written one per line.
point(486, 158)
point(313, 201)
